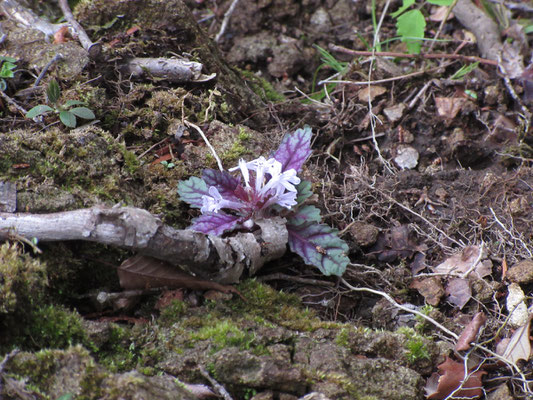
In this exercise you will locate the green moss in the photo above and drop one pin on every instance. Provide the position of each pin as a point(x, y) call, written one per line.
point(131, 163)
point(172, 313)
point(224, 333)
point(238, 149)
point(261, 87)
point(56, 327)
point(416, 348)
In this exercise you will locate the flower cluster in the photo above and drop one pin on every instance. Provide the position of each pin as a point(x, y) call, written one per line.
point(265, 188)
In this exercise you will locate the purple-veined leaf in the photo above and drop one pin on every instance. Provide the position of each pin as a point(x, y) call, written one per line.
point(319, 245)
point(223, 181)
point(304, 191)
point(305, 214)
point(192, 190)
point(294, 149)
point(214, 223)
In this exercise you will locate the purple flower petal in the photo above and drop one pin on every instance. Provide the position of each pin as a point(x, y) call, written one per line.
point(294, 149)
point(214, 223)
point(192, 190)
point(319, 245)
point(223, 181)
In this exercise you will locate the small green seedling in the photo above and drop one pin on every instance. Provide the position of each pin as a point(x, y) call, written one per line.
point(67, 114)
point(168, 165)
point(411, 24)
point(6, 70)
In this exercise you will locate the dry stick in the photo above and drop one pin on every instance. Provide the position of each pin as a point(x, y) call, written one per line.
point(211, 148)
point(94, 49)
point(226, 19)
point(461, 57)
point(13, 103)
point(209, 257)
point(56, 58)
point(219, 388)
point(374, 117)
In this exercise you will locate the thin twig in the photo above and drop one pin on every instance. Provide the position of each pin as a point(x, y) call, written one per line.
point(56, 58)
point(94, 49)
point(461, 57)
point(476, 262)
point(226, 19)
point(448, 12)
point(285, 277)
point(218, 387)
point(13, 102)
point(211, 148)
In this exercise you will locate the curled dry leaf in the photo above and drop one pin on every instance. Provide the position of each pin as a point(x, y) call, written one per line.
point(370, 93)
point(462, 262)
point(448, 107)
point(519, 346)
point(470, 332)
point(459, 292)
point(451, 379)
point(430, 288)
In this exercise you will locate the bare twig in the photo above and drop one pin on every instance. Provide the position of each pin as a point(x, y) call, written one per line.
point(209, 257)
point(226, 19)
point(211, 148)
point(93, 49)
point(218, 387)
point(285, 277)
point(407, 55)
point(56, 58)
point(13, 102)
point(442, 23)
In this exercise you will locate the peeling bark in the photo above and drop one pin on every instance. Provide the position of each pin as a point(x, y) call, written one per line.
point(210, 257)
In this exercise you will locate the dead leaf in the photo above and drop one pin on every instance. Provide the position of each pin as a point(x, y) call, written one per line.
point(451, 379)
point(519, 346)
point(512, 60)
point(470, 332)
point(370, 91)
point(62, 35)
point(143, 272)
point(462, 262)
point(458, 291)
point(448, 107)
point(439, 13)
point(394, 244)
point(430, 288)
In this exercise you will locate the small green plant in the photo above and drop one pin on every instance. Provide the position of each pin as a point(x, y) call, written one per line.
point(415, 346)
point(410, 25)
point(6, 70)
point(67, 114)
point(167, 164)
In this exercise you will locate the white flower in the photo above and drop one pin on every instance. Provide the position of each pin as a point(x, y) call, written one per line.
point(215, 202)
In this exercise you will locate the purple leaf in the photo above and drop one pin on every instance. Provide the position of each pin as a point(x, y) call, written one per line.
point(304, 191)
point(214, 223)
point(294, 149)
point(320, 246)
point(305, 214)
point(192, 190)
point(223, 181)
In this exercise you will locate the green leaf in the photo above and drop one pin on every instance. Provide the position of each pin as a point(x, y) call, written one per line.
point(304, 191)
point(410, 27)
point(319, 245)
point(8, 59)
point(68, 119)
point(53, 91)
point(406, 4)
point(82, 112)
point(441, 2)
point(305, 214)
point(3, 84)
point(38, 110)
point(7, 70)
point(465, 70)
point(70, 103)
point(192, 190)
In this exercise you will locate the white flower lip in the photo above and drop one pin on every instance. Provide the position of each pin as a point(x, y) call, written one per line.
point(215, 202)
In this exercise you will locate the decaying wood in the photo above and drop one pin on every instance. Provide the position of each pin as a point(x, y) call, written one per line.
point(219, 259)
point(12, 9)
point(174, 70)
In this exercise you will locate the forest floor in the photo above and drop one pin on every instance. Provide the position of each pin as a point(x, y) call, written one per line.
point(423, 164)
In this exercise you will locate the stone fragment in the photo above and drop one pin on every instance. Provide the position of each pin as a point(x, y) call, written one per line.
point(522, 272)
point(364, 234)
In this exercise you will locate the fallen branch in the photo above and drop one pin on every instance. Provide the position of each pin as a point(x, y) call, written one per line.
point(93, 49)
point(175, 70)
point(210, 257)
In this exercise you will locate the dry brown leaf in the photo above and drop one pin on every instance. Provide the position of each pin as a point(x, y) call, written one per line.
point(143, 272)
point(370, 91)
point(450, 377)
point(439, 13)
point(62, 35)
point(462, 262)
point(458, 292)
point(430, 288)
point(519, 346)
point(470, 332)
point(448, 107)
point(396, 243)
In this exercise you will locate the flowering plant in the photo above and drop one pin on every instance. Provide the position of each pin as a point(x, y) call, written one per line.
point(268, 188)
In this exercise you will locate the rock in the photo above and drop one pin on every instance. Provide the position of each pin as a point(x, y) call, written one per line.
point(253, 48)
point(522, 272)
point(501, 393)
point(395, 112)
point(320, 20)
point(364, 234)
